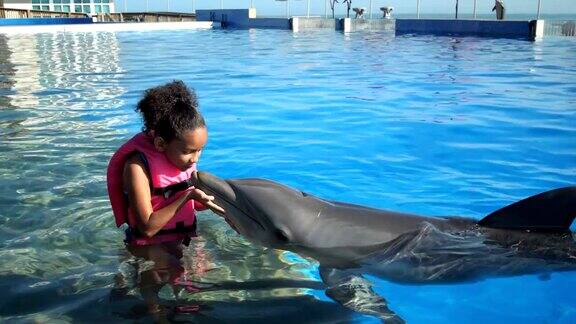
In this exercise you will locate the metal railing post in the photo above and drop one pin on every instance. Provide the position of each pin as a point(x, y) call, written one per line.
point(456, 15)
point(370, 8)
point(325, 9)
point(474, 9)
point(538, 12)
point(308, 9)
point(418, 9)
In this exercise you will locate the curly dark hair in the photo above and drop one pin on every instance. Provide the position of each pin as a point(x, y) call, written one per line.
point(170, 110)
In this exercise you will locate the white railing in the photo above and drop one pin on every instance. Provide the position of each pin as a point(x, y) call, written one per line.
point(21, 13)
point(145, 17)
point(560, 28)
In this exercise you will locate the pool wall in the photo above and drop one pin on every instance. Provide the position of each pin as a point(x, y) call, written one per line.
point(492, 28)
point(241, 18)
point(246, 18)
point(316, 23)
point(351, 25)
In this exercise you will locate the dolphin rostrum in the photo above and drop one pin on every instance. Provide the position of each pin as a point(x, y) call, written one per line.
point(531, 236)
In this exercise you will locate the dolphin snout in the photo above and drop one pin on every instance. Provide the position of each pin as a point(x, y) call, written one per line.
point(213, 185)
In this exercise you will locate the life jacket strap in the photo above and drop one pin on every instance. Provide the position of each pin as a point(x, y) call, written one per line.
point(170, 190)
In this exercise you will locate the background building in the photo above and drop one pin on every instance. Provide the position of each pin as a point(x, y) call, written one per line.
point(85, 6)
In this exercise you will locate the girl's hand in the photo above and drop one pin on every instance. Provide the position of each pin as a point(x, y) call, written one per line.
point(206, 200)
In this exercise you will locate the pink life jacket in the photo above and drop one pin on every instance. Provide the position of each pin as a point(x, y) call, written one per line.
point(168, 184)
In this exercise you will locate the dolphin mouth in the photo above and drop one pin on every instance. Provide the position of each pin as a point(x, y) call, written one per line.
point(223, 190)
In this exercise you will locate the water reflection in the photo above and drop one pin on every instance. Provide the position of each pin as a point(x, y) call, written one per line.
point(7, 72)
point(153, 267)
point(169, 281)
point(55, 132)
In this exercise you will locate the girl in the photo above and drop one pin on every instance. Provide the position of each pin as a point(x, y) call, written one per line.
point(149, 177)
point(150, 187)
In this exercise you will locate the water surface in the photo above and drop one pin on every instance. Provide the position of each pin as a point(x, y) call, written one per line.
point(421, 124)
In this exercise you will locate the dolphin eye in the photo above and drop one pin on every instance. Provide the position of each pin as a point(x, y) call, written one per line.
point(281, 236)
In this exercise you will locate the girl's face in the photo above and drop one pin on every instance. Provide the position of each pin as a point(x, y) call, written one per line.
point(184, 152)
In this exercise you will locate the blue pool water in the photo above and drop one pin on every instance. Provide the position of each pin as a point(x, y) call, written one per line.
point(421, 124)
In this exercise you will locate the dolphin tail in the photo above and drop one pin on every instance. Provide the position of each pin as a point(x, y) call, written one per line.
point(550, 211)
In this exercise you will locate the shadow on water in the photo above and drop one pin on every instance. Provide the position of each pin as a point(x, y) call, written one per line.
point(26, 299)
point(276, 309)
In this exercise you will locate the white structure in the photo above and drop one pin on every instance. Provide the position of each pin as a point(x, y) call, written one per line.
point(91, 7)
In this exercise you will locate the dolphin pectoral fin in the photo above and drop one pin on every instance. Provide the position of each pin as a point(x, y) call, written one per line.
point(356, 293)
point(551, 211)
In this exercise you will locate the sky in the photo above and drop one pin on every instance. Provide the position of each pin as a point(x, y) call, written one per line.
point(298, 7)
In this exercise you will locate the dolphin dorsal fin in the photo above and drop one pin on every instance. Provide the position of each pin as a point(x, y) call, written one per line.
point(550, 211)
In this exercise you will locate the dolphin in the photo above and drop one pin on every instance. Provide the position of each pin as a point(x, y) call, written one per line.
point(531, 236)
